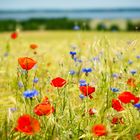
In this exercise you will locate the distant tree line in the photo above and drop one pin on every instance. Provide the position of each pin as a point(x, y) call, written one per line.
point(61, 24)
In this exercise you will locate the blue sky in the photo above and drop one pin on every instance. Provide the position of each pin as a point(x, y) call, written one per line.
point(66, 4)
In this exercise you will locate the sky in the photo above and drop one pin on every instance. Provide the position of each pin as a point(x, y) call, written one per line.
point(66, 4)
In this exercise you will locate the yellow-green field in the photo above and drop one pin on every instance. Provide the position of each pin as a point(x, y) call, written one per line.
point(71, 119)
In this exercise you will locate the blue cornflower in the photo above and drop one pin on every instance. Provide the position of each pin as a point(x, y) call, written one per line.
point(137, 105)
point(20, 84)
point(81, 96)
point(96, 58)
point(130, 62)
point(72, 53)
point(13, 109)
point(71, 72)
point(75, 59)
point(82, 82)
point(79, 60)
point(86, 71)
point(133, 72)
point(30, 93)
point(76, 27)
point(138, 56)
point(115, 75)
point(113, 89)
point(35, 80)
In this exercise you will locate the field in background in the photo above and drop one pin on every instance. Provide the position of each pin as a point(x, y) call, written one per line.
point(42, 24)
point(53, 59)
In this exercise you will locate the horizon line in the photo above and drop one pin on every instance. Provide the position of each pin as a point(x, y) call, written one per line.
point(72, 9)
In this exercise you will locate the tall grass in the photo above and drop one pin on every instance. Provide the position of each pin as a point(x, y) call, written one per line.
point(71, 119)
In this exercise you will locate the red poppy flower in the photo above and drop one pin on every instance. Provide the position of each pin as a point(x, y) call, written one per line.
point(58, 82)
point(128, 97)
point(87, 90)
point(99, 130)
point(27, 124)
point(33, 46)
point(131, 82)
point(116, 120)
point(26, 63)
point(137, 136)
point(14, 35)
point(43, 109)
point(117, 105)
point(92, 111)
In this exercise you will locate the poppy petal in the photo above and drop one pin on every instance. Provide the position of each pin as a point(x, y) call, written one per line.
point(58, 82)
point(87, 90)
point(26, 63)
point(117, 105)
point(27, 124)
point(99, 130)
point(128, 97)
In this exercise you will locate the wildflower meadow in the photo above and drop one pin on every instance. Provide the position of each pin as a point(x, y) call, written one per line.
point(69, 85)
